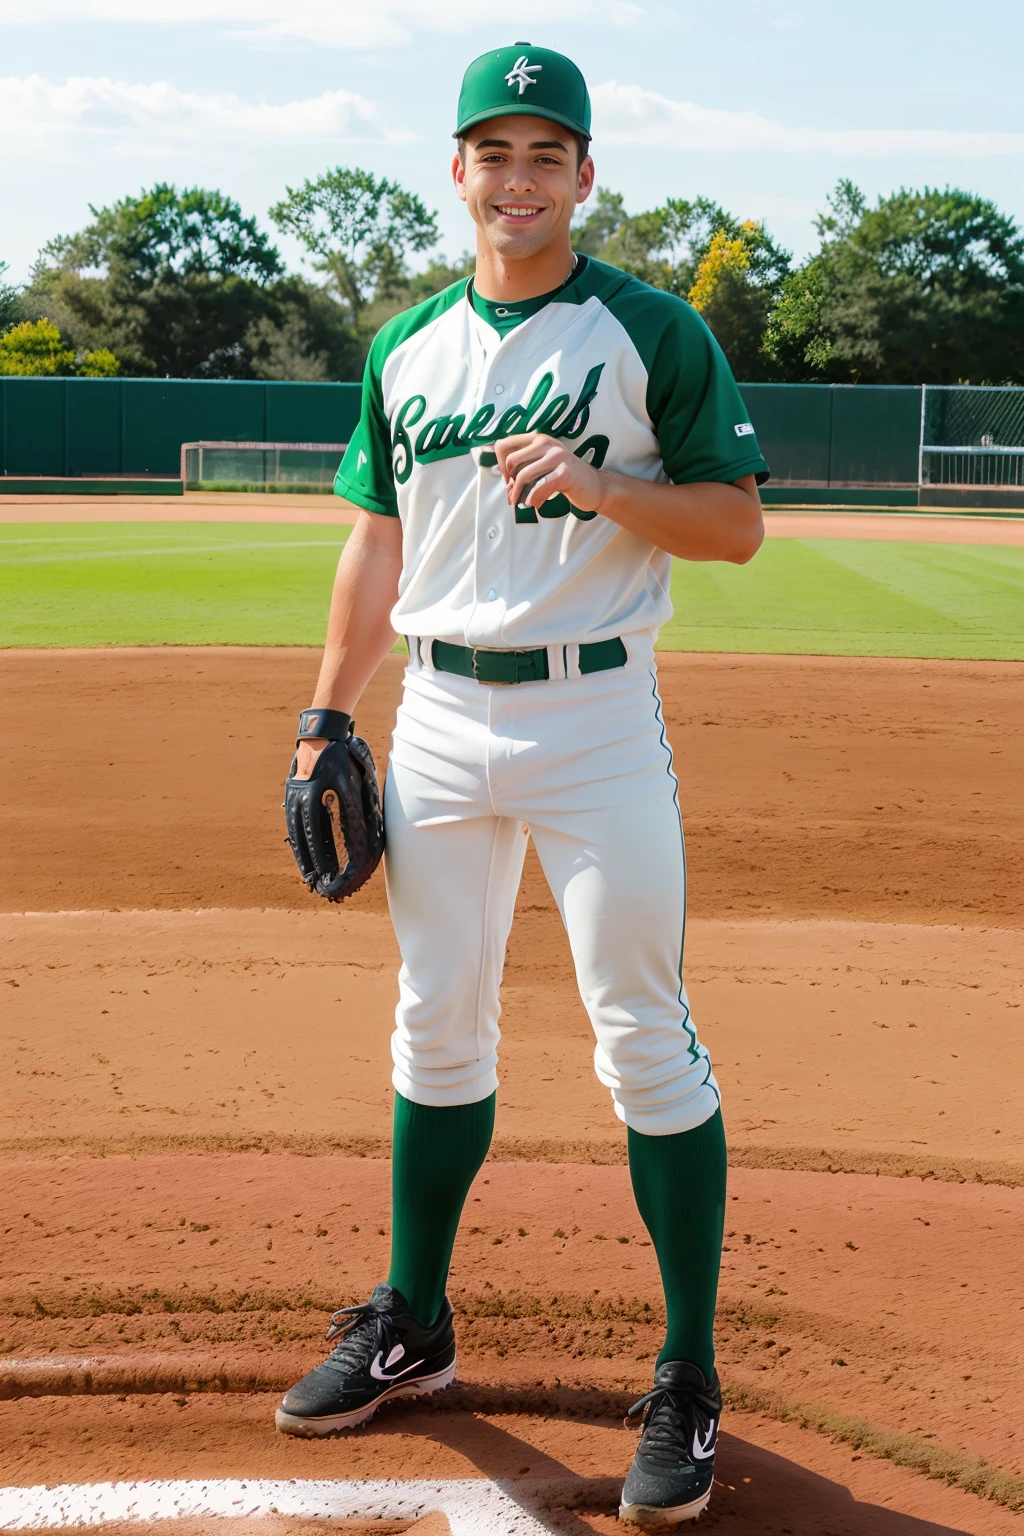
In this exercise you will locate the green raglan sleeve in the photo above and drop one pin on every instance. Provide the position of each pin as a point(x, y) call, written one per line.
point(365, 475)
point(703, 427)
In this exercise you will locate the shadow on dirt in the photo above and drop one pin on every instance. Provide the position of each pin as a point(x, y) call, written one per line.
point(757, 1492)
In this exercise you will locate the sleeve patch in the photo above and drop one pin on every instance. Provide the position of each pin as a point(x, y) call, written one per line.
point(744, 429)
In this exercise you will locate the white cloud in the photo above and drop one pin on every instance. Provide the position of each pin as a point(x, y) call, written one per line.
point(133, 116)
point(329, 23)
point(627, 114)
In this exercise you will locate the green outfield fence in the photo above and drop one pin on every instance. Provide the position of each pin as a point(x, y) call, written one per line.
point(826, 443)
point(827, 436)
point(58, 428)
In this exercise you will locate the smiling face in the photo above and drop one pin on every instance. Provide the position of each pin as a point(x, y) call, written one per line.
point(521, 183)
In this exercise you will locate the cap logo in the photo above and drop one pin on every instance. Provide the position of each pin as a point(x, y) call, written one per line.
point(521, 73)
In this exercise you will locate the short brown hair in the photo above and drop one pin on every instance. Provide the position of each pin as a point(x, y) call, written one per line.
point(581, 141)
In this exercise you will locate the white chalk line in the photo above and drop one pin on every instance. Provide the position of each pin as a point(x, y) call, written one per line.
point(267, 545)
point(473, 1506)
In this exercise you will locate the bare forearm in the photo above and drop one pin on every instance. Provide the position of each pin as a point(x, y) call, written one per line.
point(359, 632)
point(709, 520)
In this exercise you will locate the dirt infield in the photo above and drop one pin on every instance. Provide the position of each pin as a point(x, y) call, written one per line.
point(899, 528)
point(833, 1290)
point(876, 1047)
point(194, 1290)
point(197, 507)
point(197, 1112)
point(194, 507)
point(812, 787)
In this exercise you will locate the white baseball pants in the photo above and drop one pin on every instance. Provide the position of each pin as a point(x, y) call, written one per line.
point(582, 765)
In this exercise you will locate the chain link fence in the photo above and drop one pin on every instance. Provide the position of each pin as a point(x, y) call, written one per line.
point(972, 435)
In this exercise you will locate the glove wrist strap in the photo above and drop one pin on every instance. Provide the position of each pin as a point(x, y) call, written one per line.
point(324, 725)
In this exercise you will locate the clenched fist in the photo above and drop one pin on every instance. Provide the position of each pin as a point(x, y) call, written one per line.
point(536, 467)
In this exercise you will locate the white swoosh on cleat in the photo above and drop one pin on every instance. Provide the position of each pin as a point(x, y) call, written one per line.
point(378, 1374)
point(700, 1452)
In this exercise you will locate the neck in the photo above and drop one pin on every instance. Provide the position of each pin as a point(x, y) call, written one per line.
point(504, 278)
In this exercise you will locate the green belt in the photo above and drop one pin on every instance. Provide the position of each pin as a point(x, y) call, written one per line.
point(500, 668)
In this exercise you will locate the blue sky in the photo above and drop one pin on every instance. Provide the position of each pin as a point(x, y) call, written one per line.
point(759, 105)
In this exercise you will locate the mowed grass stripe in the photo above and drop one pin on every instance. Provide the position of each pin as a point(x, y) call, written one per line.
point(945, 582)
point(269, 584)
point(170, 584)
point(159, 551)
point(138, 535)
point(854, 598)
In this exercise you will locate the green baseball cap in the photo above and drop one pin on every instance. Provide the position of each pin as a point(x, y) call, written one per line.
point(536, 82)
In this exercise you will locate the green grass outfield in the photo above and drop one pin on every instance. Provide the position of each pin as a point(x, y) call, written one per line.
point(91, 584)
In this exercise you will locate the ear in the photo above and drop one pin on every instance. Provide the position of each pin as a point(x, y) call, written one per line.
point(459, 177)
point(585, 180)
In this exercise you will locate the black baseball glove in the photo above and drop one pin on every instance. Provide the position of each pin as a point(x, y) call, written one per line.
point(334, 820)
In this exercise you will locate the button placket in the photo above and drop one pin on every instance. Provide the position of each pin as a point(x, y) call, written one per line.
point(490, 555)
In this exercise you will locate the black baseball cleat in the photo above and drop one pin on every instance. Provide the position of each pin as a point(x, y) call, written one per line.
point(674, 1466)
point(382, 1352)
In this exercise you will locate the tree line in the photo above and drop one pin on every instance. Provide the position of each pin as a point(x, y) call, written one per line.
point(923, 287)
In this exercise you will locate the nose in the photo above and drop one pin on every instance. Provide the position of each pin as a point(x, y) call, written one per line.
point(520, 178)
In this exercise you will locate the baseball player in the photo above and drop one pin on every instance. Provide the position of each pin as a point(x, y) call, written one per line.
point(535, 445)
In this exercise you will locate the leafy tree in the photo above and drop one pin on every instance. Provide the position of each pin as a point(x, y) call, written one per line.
point(731, 272)
point(926, 287)
point(306, 334)
point(653, 245)
point(414, 288)
point(736, 283)
point(171, 281)
point(723, 259)
point(438, 275)
point(596, 226)
point(163, 233)
point(101, 364)
point(35, 348)
point(185, 285)
point(359, 229)
point(8, 299)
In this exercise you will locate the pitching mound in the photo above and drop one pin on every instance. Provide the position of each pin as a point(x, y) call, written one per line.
point(198, 1119)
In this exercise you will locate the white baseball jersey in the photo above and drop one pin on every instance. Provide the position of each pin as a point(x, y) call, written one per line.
point(629, 374)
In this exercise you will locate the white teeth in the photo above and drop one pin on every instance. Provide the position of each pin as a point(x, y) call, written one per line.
point(518, 213)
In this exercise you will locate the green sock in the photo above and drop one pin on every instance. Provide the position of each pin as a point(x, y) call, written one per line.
point(679, 1184)
point(436, 1154)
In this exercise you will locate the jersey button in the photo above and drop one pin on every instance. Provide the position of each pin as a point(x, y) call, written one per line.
point(499, 389)
point(491, 595)
point(492, 533)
